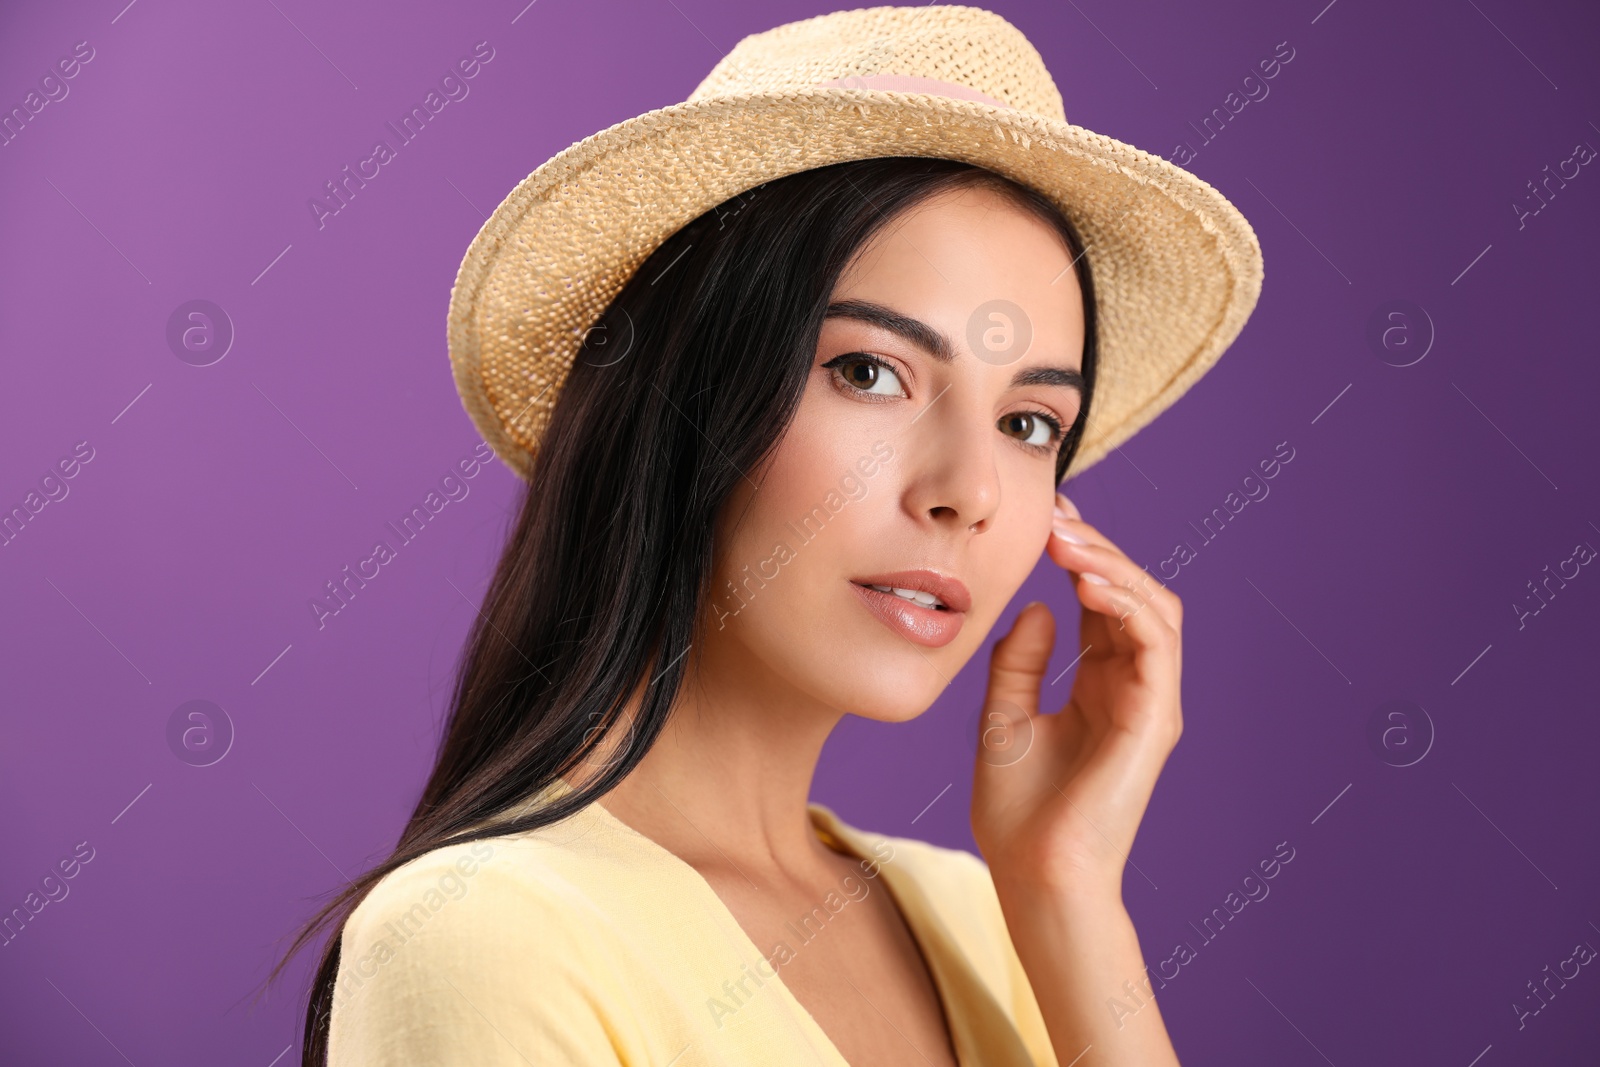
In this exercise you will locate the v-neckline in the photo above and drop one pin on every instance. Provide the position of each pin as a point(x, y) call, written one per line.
point(963, 997)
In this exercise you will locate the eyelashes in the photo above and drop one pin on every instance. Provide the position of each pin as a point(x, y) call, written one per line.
point(866, 359)
point(884, 371)
point(1047, 447)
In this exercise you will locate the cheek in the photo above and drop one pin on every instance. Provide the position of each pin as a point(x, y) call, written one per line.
point(997, 563)
point(813, 500)
point(786, 552)
point(1025, 524)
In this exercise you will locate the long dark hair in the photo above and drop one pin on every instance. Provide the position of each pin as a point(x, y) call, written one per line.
point(682, 388)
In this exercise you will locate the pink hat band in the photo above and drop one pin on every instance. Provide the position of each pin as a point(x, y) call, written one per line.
point(910, 83)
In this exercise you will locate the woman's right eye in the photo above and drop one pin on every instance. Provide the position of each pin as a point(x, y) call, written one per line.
point(867, 374)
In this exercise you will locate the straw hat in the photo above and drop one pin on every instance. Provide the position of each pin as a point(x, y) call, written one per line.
point(1177, 268)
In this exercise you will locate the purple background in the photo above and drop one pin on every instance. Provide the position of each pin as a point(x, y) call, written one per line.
point(1384, 565)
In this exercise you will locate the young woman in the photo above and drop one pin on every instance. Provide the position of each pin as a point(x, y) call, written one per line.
point(796, 469)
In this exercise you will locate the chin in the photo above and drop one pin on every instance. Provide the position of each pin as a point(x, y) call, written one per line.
point(850, 664)
point(896, 695)
point(853, 662)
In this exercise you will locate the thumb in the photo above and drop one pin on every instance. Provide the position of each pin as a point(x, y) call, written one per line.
point(1020, 658)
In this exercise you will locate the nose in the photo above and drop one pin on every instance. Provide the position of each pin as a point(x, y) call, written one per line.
point(955, 481)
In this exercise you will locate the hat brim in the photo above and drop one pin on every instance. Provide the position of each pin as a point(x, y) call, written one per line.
point(1177, 267)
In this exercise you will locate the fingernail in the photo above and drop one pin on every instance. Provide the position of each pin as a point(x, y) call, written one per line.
point(1064, 531)
point(1066, 507)
point(1095, 579)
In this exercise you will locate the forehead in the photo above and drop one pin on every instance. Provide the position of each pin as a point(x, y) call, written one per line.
point(954, 258)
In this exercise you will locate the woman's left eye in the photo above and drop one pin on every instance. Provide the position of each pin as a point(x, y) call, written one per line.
point(1034, 429)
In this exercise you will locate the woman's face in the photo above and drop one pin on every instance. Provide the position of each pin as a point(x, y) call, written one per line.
point(922, 455)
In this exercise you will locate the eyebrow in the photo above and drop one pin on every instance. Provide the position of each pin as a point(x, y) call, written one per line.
point(939, 346)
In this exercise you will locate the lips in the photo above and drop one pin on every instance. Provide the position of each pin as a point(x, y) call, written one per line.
point(929, 610)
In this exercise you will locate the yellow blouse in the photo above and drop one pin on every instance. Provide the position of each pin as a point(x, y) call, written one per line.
point(586, 943)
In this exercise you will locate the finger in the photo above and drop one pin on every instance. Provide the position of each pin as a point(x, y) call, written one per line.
point(1069, 525)
point(1110, 563)
point(1018, 663)
point(1131, 622)
point(1145, 584)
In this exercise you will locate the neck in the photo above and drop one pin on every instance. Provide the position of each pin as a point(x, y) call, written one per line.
point(726, 784)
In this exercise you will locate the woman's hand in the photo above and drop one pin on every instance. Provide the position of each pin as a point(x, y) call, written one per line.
point(1057, 798)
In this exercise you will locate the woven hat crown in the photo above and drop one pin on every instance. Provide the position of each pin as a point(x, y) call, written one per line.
point(946, 47)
